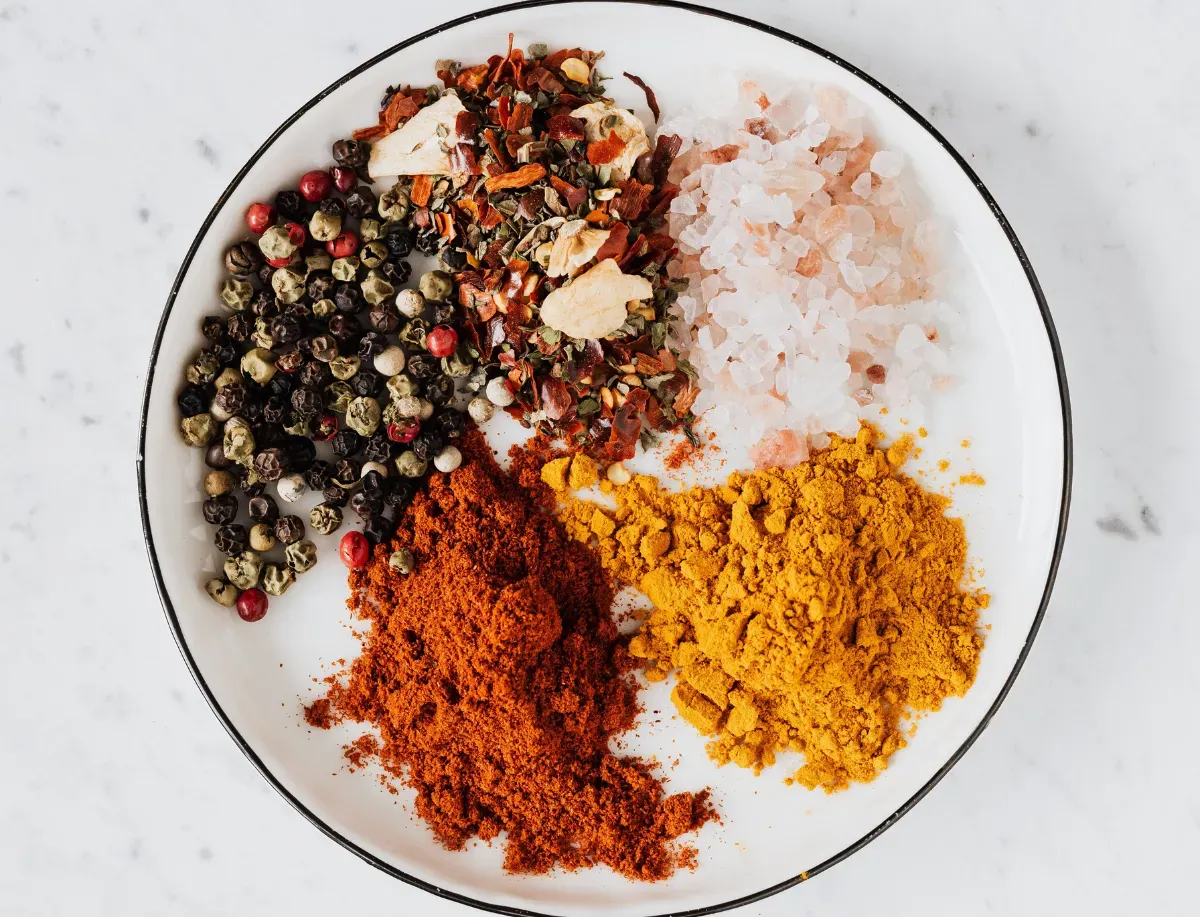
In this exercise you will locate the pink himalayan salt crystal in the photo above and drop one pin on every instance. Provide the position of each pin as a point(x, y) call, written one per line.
point(782, 449)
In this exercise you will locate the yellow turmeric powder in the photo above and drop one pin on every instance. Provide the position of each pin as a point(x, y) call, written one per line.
point(806, 609)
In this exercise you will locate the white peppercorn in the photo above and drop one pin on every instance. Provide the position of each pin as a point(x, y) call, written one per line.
point(236, 294)
point(402, 561)
point(221, 592)
point(375, 289)
point(218, 483)
point(238, 442)
point(410, 303)
point(345, 268)
point(447, 460)
point(325, 518)
point(291, 487)
point(345, 367)
point(324, 227)
point(288, 285)
point(408, 406)
point(198, 430)
point(409, 465)
point(389, 361)
point(301, 556)
point(262, 537)
point(362, 416)
point(498, 393)
point(243, 570)
point(426, 409)
point(276, 580)
point(481, 410)
point(436, 286)
point(276, 243)
point(259, 365)
point(369, 229)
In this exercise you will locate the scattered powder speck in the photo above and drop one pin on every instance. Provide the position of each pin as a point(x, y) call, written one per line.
point(973, 479)
point(943, 465)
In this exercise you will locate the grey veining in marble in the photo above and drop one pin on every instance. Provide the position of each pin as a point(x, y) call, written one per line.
point(123, 121)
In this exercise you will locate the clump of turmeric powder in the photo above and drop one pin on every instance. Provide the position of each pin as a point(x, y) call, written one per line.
point(806, 609)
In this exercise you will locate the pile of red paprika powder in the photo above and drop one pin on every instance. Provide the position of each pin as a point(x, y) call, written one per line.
point(495, 678)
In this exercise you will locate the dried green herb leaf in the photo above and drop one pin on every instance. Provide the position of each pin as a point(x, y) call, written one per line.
point(658, 334)
point(587, 406)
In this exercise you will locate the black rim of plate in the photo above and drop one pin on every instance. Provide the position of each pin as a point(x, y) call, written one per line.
point(1060, 371)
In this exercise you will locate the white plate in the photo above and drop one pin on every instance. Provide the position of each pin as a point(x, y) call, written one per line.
point(1011, 403)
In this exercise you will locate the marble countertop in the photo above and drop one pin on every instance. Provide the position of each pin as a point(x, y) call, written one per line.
point(123, 122)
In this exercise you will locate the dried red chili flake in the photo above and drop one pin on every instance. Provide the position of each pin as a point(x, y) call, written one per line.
point(648, 365)
point(400, 108)
point(685, 399)
point(554, 61)
point(504, 111)
point(574, 196)
point(472, 78)
point(602, 152)
point(651, 100)
point(463, 161)
point(632, 201)
point(614, 245)
point(556, 400)
point(564, 127)
point(666, 148)
point(466, 123)
point(497, 148)
point(521, 117)
point(544, 80)
point(374, 132)
point(526, 175)
point(445, 225)
point(422, 190)
point(514, 142)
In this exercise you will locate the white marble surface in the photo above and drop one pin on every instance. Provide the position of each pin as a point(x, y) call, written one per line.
point(123, 121)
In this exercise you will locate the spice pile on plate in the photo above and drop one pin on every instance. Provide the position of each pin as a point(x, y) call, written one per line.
point(548, 202)
point(494, 678)
point(808, 609)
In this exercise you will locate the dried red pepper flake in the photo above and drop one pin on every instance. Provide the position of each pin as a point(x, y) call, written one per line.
point(648, 365)
point(632, 201)
point(497, 148)
point(466, 123)
point(666, 148)
point(521, 117)
point(472, 78)
point(574, 196)
point(504, 111)
point(445, 225)
point(514, 142)
point(685, 399)
point(400, 108)
point(374, 132)
point(544, 80)
point(602, 152)
point(422, 190)
point(556, 400)
point(651, 100)
point(463, 161)
point(565, 127)
point(554, 60)
point(526, 175)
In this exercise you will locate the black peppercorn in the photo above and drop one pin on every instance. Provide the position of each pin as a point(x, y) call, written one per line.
point(343, 328)
point(279, 385)
point(454, 259)
point(384, 318)
point(318, 475)
point(422, 366)
point(345, 443)
point(378, 529)
point(365, 383)
point(347, 471)
point(291, 205)
point(400, 492)
point(427, 242)
point(351, 153)
point(399, 241)
point(263, 508)
point(363, 504)
point(263, 303)
point(270, 464)
point(320, 285)
point(426, 445)
point(193, 400)
point(378, 449)
point(305, 401)
point(333, 206)
point(335, 495)
point(243, 259)
point(289, 529)
point(286, 328)
point(450, 424)
point(304, 346)
point(370, 344)
point(239, 327)
point(214, 455)
point(374, 485)
point(241, 475)
point(226, 353)
point(231, 540)
point(361, 202)
point(348, 298)
point(301, 453)
point(252, 409)
point(213, 327)
point(268, 435)
point(440, 390)
point(314, 374)
point(220, 510)
point(396, 272)
point(231, 398)
point(264, 274)
point(275, 408)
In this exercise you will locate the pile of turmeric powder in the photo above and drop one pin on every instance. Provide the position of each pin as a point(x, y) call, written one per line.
point(808, 609)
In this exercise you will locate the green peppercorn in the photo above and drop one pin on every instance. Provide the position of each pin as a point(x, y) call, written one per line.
point(409, 465)
point(262, 537)
point(318, 261)
point(276, 243)
point(325, 518)
point(203, 369)
point(375, 288)
point(262, 336)
point(394, 203)
point(297, 425)
point(373, 254)
point(301, 556)
point(413, 333)
point(340, 395)
point(345, 268)
point(259, 365)
point(236, 294)
point(198, 430)
point(436, 286)
point(324, 227)
point(391, 415)
point(238, 442)
point(362, 416)
point(288, 285)
point(276, 580)
point(345, 367)
point(459, 364)
point(243, 569)
point(401, 385)
point(228, 376)
point(221, 592)
point(369, 229)
point(410, 303)
point(402, 561)
point(323, 308)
